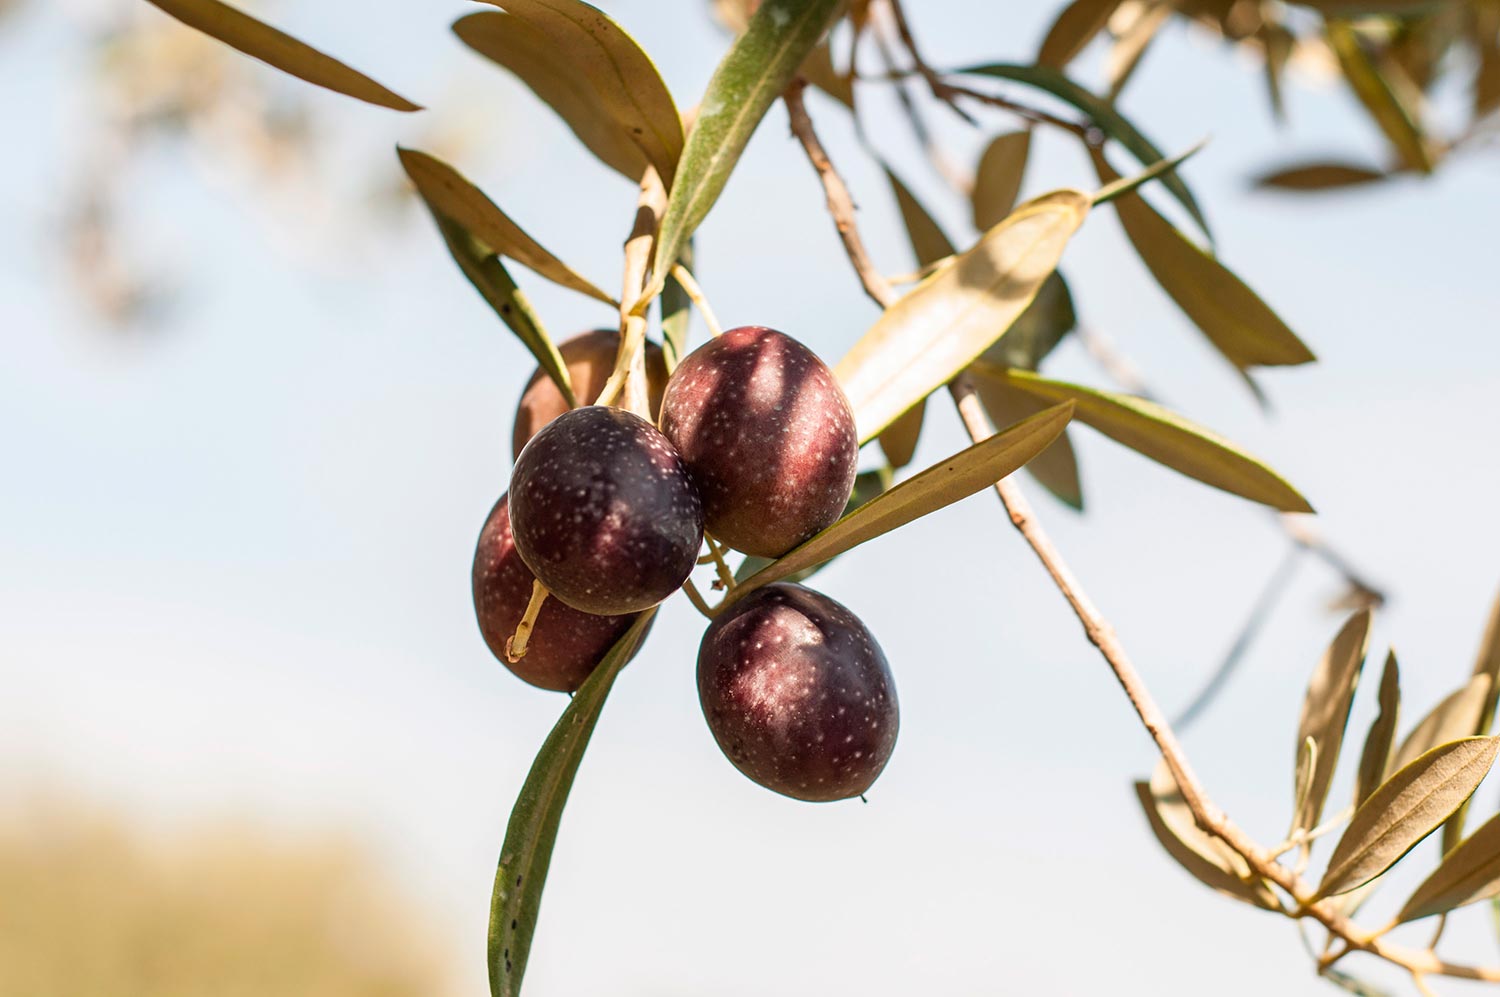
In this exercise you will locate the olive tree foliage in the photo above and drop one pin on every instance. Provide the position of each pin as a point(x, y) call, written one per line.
point(977, 322)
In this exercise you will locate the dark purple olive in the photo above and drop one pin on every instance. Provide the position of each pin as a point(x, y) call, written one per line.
point(798, 694)
point(565, 644)
point(604, 512)
point(590, 358)
point(768, 436)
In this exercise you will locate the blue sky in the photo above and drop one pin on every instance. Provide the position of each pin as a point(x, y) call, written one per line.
point(234, 570)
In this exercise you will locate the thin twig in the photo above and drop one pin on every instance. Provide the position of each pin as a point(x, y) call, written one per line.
point(726, 577)
point(696, 598)
point(695, 294)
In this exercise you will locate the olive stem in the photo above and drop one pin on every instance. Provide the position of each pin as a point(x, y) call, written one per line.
point(725, 575)
point(515, 646)
point(628, 379)
point(695, 294)
point(696, 598)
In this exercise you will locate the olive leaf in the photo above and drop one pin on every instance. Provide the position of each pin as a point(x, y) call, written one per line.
point(1469, 873)
point(1486, 77)
point(938, 327)
point(532, 831)
point(240, 31)
point(1375, 760)
point(818, 69)
point(1392, 99)
point(1238, 323)
point(966, 472)
point(1405, 809)
point(550, 71)
point(1119, 188)
point(930, 244)
point(1320, 176)
point(1055, 468)
point(1488, 665)
point(494, 283)
point(1101, 113)
point(752, 74)
point(1038, 330)
point(1076, 26)
point(997, 180)
point(1204, 856)
point(447, 192)
point(1456, 715)
point(1162, 435)
point(1325, 713)
point(1131, 44)
point(1278, 43)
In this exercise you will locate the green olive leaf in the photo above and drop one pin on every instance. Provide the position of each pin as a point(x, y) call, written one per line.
point(1235, 320)
point(447, 192)
point(752, 74)
point(1470, 872)
point(966, 472)
point(1055, 468)
point(1325, 713)
point(1393, 100)
point(997, 179)
point(621, 80)
point(1405, 809)
point(1077, 24)
point(1375, 760)
point(494, 284)
point(240, 31)
point(1320, 176)
point(1102, 114)
point(1204, 856)
point(532, 831)
point(942, 324)
point(1162, 435)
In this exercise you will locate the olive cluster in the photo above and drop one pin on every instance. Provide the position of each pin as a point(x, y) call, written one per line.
point(605, 517)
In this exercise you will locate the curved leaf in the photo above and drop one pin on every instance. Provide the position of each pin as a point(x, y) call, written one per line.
point(752, 74)
point(1469, 873)
point(1076, 26)
point(1320, 176)
point(966, 472)
point(940, 326)
point(1055, 468)
point(447, 192)
point(621, 78)
point(522, 49)
point(240, 31)
point(1392, 99)
point(1239, 324)
point(1325, 713)
point(1164, 436)
point(1375, 760)
point(1102, 114)
point(997, 180)
point(1456, 716)
point(1406, 809)
point(532, 830)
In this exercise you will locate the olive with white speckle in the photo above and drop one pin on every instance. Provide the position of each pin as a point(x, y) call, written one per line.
point(797, 694)
point(768, 436)
point(590, 359)
point(604, 512)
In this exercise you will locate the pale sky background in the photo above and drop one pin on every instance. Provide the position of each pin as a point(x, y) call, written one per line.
point(234, 565)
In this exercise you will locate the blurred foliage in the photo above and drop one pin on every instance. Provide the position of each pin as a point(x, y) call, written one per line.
point(91, 906)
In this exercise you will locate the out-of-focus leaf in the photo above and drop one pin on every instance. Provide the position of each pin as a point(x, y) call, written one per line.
point(1039, 328)
point(868, 486)
point(1405, 809)
point(1325, 713)
point(676, 314)
point(532, 831)
point(1205, 857)
point(622, 82)
point(1351, 8)
point(1120, 188)
point(1132, 44)
point(966, 472)
point(1375, 760)
point(997, 181)
point(933, 332)
point(1102, 114)
point(1320, 176)
point(1278, 44)
point(1239, 324)
point(494, 283)
point(1456, 716)
point(552, 75)
point(1488, 666)
point(240, 31)
point(928, 241)
point(1165, 437)
point(818, 69)
point(899, 441)
point(1487, 75)
point(447, 192)
point(1393, 101)
point(752, 74)
point(1055, 468)
point(1076, 26)
point(1470, 872)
